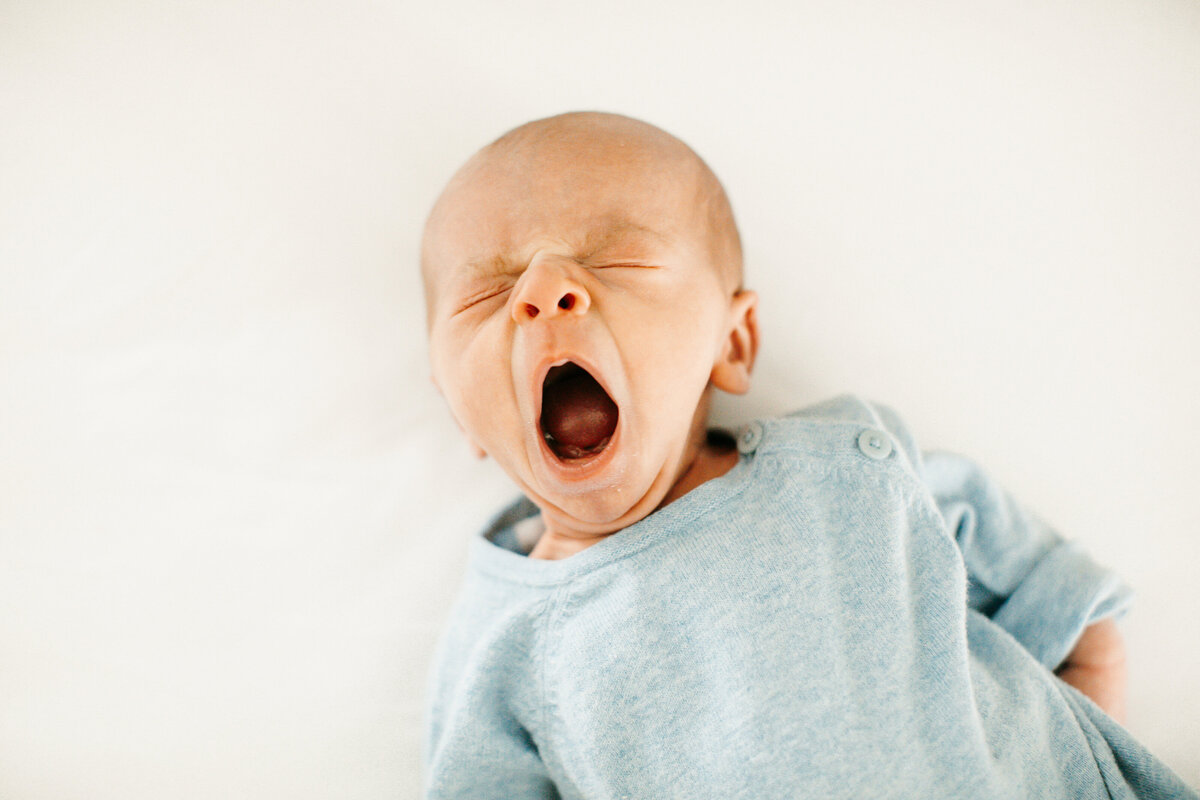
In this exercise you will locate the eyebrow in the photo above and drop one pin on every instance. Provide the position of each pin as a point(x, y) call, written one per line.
point(606, 235)
point(491, 266)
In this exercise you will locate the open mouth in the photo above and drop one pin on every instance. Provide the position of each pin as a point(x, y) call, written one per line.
point(578, 417)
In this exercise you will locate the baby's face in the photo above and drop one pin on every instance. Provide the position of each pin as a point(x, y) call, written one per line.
point(590, 250)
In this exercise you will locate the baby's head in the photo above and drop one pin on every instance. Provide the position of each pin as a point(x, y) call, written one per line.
point(583, 289)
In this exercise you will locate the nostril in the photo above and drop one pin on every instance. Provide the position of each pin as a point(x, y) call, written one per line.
point(567, 302)
point(531, 310)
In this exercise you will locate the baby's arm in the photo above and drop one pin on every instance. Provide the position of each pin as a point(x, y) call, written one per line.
point(1096, 667)
point(1045, 591)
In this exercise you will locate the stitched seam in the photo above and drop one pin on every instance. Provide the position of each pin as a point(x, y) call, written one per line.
point(555, 610)
point(873, 471)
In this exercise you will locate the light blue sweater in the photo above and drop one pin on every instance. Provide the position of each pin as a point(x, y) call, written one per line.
point(836, 616)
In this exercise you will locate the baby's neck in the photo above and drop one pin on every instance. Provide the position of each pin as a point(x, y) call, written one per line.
point(715, 457)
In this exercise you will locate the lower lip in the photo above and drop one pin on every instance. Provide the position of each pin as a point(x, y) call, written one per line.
point(578, 469)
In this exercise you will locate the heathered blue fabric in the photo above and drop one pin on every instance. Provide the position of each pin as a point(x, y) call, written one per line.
point(813, 623)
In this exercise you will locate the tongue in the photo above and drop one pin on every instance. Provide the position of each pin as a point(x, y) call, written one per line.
point(578, 414)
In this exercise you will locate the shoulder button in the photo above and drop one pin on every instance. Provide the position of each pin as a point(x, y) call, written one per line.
point(749, 437)
point(875, 444)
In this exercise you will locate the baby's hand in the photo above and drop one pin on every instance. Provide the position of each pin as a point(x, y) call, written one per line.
point(1096, 667)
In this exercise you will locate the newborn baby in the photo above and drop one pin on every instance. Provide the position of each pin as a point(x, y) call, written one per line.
point(582, 282)
point(816, 608)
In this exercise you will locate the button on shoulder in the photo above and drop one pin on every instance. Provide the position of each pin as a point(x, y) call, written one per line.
point(749, 437)
point(875, 444)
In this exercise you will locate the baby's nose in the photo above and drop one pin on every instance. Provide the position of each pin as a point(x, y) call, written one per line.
point(546, 292)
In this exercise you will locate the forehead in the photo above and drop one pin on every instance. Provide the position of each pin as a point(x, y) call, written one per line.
point(587, 201)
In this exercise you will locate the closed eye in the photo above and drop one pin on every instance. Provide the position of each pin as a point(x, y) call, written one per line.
point(496, 292)
point(489, 294)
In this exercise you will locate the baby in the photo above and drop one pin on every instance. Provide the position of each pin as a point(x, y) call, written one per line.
point(814, 609)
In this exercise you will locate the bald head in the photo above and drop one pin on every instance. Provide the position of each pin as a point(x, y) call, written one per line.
point(564, 159)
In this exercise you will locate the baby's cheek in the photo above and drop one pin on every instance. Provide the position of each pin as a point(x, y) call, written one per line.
point(488, 412)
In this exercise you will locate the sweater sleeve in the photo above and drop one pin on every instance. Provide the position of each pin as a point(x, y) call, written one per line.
point(1021, 573)
point(474, 744)
point(493, 757)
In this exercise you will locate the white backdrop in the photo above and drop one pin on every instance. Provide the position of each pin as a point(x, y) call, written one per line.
point(232, 509)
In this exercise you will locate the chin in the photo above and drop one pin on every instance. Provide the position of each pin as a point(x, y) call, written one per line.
point(609, 508)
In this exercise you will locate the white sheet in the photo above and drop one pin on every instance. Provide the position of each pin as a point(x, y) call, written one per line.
point(232, 510)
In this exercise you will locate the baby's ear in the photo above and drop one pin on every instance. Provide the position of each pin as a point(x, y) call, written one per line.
point(731, 371)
